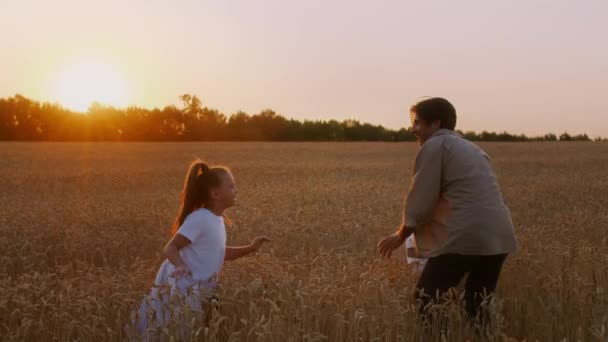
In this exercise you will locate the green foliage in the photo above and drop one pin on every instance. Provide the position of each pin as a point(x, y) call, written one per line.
point(24, 119)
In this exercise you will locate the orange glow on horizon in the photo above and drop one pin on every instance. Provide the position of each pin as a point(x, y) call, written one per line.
point(77, 85)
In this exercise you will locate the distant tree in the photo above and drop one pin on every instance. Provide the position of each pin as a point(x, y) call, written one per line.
point(581, 137)
point(550, 137)
point(565, 137)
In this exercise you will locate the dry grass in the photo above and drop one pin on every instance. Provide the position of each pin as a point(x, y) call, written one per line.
point(82, 226)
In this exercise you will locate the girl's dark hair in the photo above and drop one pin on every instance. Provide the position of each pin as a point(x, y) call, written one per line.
point(436, 108)
point(195, 194)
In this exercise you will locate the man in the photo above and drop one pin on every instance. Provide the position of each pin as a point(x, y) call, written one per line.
point(454, 209)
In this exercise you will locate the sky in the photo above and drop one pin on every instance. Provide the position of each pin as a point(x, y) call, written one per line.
point(527, 67)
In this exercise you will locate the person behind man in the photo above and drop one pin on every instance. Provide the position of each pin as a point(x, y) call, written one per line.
point(455, 210)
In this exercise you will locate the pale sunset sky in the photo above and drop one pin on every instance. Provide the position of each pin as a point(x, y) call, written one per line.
point(528, 67)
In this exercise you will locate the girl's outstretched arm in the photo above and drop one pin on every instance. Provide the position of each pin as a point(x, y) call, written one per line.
point(233, 252)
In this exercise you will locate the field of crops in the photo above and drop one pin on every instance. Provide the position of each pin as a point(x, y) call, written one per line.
point(82, 227)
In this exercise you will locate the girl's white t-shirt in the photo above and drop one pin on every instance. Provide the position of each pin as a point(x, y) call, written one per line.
point(207, 234)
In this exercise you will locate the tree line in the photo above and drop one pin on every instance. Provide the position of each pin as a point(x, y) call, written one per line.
point(23, 119)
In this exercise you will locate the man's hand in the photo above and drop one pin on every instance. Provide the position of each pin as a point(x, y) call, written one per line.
point(258, 242)
point(390, 243)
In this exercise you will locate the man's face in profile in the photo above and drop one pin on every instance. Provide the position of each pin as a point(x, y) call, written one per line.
point(422, 129)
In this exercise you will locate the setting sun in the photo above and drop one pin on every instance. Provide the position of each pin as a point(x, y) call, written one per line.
point(77, 85)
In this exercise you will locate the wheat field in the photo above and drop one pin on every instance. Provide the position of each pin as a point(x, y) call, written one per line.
point(82, 228)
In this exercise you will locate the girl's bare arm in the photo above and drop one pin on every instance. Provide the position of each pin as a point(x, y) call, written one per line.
point(234, 252)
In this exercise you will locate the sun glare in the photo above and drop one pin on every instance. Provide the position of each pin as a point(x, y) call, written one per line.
point(78, 85)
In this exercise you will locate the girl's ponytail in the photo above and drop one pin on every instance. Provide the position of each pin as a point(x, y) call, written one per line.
point(195, 193)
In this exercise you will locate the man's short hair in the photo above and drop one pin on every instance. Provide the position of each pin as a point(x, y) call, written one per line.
point(436, 108)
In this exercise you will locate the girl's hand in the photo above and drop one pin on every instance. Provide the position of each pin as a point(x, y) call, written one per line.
point(258, 241)
point(180, 271)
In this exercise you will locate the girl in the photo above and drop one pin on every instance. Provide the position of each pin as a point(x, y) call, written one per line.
point(195, 255)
